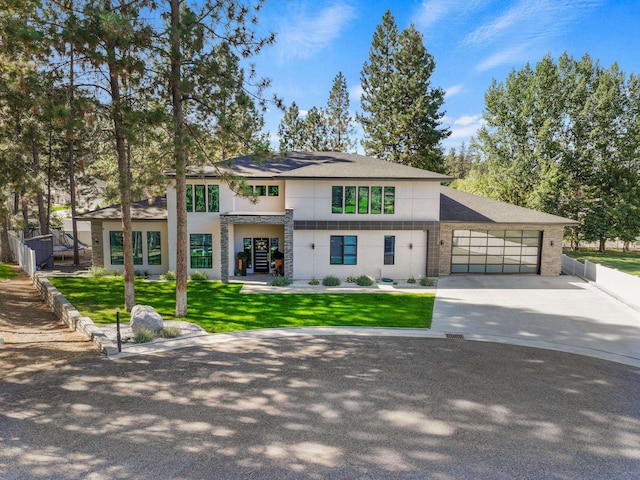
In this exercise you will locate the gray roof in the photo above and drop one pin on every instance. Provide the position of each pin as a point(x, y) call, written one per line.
point(318, 165)
point(143, 210)
point(459, 206)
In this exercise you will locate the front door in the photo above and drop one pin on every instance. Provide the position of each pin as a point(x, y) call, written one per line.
point(261, 255)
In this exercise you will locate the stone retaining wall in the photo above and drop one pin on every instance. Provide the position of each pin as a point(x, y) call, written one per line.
point(66, 312)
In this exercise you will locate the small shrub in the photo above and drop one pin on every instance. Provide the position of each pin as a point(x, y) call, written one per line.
point(427, 282)
point(98, 272)
point(199, 276)
point(411, 280)
point(364, 281)
point(314, 281)
point(144, 335)
point(351, 279)
point(116, 273)
point(170, 276)
point(281, 282)
point(330, 281)
point(140, 273)
point(170, 332)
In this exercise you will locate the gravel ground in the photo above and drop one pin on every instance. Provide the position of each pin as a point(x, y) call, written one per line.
point(326, 408)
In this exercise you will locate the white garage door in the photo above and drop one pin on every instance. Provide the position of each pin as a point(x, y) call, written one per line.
point(496, 251)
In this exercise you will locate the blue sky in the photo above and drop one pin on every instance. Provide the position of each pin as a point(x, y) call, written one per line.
point(472, 41)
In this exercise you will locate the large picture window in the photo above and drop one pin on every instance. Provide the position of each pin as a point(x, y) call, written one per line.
point(200, 249)
point(203, 198)
point(154, 253)
point(363, 200)
point(344, 250)
point(116, 246)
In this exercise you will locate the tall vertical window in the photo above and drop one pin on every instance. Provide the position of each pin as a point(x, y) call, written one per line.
point(199, 199)
point(116, 248)
point(214, 198)
point(363, 199)
point(154, 253)
point(344, 250)
point(137, 248)
point(389, 249)
point(336, 199)
point(248, 249)
point(389, 199)
point(349, 199)
point(189, 194)
point(200, 249)
point(376, 199)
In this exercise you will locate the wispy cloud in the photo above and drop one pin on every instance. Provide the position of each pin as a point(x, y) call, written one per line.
point(453, 90)
point(303, 35)
point(525, 25)
point(463, 128)
point(432, 11)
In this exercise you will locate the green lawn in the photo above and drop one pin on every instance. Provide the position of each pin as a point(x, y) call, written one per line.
point(6, 271)
point(219, 307)
point(627, 262)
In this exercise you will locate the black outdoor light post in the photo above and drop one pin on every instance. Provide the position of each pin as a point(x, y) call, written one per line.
point(118, 330)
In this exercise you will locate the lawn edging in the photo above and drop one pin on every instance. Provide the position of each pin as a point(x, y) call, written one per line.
point(67, 313)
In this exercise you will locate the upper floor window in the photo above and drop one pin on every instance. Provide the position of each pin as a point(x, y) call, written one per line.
point(363, 200)
point(203, 198)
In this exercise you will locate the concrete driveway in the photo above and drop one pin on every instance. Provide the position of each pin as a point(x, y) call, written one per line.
point(561, 313)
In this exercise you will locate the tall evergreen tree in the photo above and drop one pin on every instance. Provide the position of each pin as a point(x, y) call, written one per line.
point(402, 117)
point(196, 35)
point(290, 130)
point(314, 131)
point(340, 129)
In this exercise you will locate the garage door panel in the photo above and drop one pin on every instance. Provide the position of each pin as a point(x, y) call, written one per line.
point(495, 251)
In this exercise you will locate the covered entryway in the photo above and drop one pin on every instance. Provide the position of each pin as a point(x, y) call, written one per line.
point(496, 251)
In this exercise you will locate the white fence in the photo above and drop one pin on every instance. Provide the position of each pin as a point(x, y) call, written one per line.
point(23, 255)
point(621, 285)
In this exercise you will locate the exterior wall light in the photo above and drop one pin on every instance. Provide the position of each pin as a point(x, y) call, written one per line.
point(313, 246)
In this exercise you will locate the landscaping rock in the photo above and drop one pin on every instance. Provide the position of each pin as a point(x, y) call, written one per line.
point(145, 316)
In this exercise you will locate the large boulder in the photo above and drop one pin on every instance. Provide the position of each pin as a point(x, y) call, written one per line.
point(145, 316)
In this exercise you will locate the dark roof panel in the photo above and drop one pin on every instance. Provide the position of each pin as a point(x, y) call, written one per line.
point(459, 206)
point(317, 165)
point(143, 210)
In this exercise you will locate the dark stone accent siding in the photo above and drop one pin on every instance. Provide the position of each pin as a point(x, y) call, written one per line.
point(97, 247)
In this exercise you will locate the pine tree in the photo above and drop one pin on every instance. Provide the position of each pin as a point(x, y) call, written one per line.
point(314, 131)
point(290, 130)
point(402, 117)
point(340, 127)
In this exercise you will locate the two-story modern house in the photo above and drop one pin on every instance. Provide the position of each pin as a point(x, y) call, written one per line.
point(326, 213)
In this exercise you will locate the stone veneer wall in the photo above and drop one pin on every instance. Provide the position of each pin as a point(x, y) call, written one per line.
point(551, 261)
point(97, 248)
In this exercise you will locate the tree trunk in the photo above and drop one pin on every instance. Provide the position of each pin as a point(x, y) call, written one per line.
point(6, 256)
point(180, 157)
point(71, 148)
point(124, 175)
point(24, 204)
point(602, 245)
point(626, 246)
point(42, 213)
